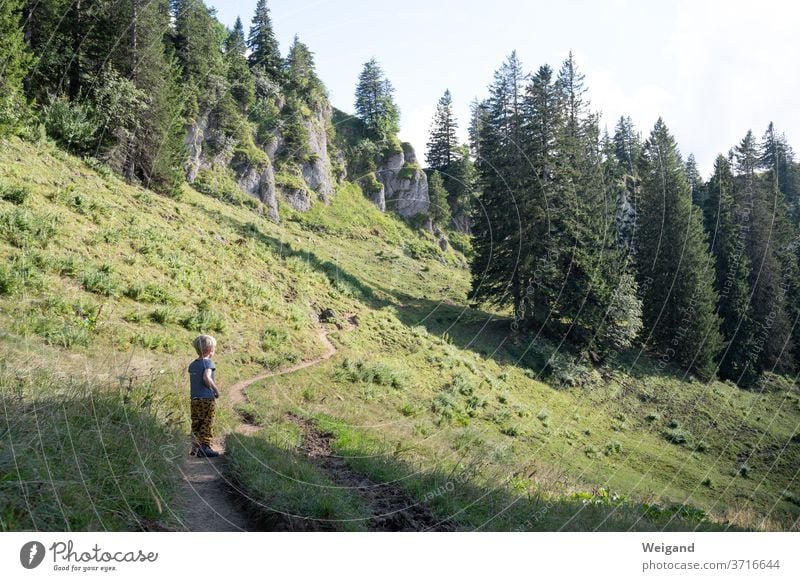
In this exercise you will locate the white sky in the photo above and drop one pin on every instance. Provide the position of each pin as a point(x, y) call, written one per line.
point(711, 69)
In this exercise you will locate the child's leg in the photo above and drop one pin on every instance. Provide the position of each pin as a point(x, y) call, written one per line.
point(203, 411)
point(197, 419)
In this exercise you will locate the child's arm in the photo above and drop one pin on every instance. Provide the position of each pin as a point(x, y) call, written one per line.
point(209, 381)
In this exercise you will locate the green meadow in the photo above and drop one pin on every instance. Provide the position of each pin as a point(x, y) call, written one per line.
point(104, 285)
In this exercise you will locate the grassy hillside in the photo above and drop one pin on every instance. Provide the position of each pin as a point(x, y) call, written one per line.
point(103, 286)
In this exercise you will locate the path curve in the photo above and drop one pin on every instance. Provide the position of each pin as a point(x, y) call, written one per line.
point(215, 506)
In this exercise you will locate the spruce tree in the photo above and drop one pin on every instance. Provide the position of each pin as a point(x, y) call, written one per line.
point(443, 140)
point(460, 186)
point(264, 51)
point(14, 63)
point(375, 103)
point(301, 77)
point(727, 231)
point(440, 207)
point(675, 269)
point(696, 184)
point(759, 202)
point(497, 219)
point(242, 85)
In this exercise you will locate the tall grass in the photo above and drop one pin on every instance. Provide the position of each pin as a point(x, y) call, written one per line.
point(76, 456)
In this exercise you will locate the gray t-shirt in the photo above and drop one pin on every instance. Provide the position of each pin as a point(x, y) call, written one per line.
point(198, 387)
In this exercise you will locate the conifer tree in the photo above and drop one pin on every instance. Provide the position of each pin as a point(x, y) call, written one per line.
point(728, 243)
point(240, 78)
point(14, 63)
point(497, 219)
point(375, 103)
point(760, 201)
point(443, 140)
point(153, 145)
point(440, 207)
point(675, 269)
point(301, 77)
point(264, 51)
point(460, 186)
point(627, 145)
point(696, 184)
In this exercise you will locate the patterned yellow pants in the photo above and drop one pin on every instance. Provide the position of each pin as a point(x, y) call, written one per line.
point(203, 411)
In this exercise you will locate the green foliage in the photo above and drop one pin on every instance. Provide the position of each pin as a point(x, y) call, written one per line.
point(204, 320)
point(15, 61)
point(293, 484)
point(377, 373)
point(678, 436)
point(72, 124)
point(87, 450)
point(14, 194)
point(677, 287)
point(440, 207)
point(219, 183)
point(100, 281)
point(264, 51)
point(374, 102)
point(273, 338)
point(443, 140)
point(150, 293)
point(26, 228)
point(301, 78)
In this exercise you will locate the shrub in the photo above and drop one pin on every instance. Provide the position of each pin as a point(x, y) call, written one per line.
point(19, 273)
point(14, 194)
point(677, 436)
point(163, 316)
point(23, 228)
point(273, 338)
point(204, 320)
point(100, 282)
point(149, 293)
point(376, 373)
point(71, 124)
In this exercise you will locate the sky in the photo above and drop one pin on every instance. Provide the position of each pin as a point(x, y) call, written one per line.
point(711, 69)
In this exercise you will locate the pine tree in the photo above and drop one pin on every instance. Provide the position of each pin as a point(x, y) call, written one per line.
point(476, 122)
point(723, 221)
point(440, 207)
point(242, 85)
point(696, 184)
point(14, 63)
point(199, 38)
point(759, 202)
point(443, 140)
point(375, 103)
point(264, 51)
point(627, 145)
point(675, 269)
point(154, 147)
point(460, 186)
point(497, 218)
point(301, 78)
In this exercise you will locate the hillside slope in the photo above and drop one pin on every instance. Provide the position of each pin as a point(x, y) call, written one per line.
point(103, 286)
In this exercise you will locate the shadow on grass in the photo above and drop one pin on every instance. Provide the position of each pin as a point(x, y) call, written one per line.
point(287, 491)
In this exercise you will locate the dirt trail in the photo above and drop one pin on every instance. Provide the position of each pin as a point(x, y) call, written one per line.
point(392, 508)
point(217, 505)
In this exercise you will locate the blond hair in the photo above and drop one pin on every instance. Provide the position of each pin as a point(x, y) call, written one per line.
point(204, 344)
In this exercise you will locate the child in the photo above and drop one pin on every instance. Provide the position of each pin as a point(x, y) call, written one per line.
point(203, 393)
